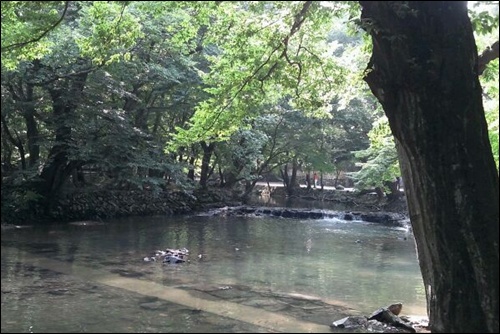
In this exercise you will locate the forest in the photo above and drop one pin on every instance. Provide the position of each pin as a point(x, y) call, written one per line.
point(155, 95)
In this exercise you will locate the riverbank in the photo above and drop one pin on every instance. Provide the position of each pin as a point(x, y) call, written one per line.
point(351, 199)
point(104, 204)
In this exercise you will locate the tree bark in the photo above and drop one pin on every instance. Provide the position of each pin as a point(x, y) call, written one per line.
point(208, 149)
point(424, 72)
point(190, 174)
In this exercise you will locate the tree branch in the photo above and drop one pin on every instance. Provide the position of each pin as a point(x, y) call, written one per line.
point(488, 55)
point(36, 39)
point(297, 24)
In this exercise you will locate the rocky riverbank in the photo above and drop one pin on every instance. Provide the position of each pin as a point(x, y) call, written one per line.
point(108, 204)
point(354, 200)
point(102, 204)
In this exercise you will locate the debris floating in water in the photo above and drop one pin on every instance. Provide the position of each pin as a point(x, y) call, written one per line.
point(169, 256)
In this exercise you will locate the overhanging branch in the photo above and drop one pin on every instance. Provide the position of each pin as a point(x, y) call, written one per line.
point(299, 19)
point(488, 55)
point(36, 39)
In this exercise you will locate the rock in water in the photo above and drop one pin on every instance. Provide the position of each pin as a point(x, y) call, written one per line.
point(385, 315)
point(395, 308)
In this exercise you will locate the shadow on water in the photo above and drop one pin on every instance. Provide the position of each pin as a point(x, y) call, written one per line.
point(245, 274)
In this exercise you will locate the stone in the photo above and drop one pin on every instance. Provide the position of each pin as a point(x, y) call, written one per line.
point(395, 308)
point(350, 322)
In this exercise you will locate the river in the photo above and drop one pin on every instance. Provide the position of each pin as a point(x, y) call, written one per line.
point(245, 274)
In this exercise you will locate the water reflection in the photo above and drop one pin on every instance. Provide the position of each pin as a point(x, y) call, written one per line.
point(359, 265)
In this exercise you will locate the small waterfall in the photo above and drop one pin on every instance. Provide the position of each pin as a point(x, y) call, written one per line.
point(292, 213)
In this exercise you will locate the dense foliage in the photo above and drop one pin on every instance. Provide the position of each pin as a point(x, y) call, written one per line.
point(134, 95)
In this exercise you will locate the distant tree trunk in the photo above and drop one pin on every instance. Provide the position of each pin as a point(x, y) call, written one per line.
point(31, 128)
point(208, 149)
point(394, 193)
point(249, 187)
point(230, 179)
point(380, 193)
point(17, 142)
point(24, 98)
point(337, 175)
point(293, 179)
point(59, 167)
point(190, 174)
point(215, 163)
point(290, 181)
point(285, 177)
point(308, 180)
point(424, 72)
point(221, 176)
point(6, 156)
point(78, 177)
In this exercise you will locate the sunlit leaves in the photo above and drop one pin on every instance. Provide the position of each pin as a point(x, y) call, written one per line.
point(267, 51)
point(380, 160)
point(103, 30)
point(490, 80)
point(107, 29)
point(484, 16)
point(25, 27)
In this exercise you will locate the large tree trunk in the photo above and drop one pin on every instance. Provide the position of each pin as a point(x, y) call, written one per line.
point(424, 72)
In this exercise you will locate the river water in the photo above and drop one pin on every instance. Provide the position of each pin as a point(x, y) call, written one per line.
point(245, 274)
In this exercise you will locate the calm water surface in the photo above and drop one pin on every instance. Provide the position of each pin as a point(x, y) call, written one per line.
point(246, 274)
